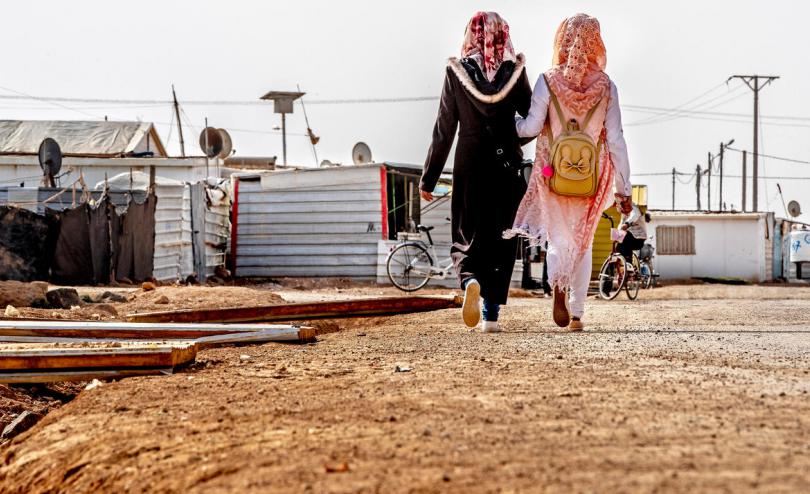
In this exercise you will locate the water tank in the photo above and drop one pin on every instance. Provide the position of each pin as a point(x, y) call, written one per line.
point(800, 246)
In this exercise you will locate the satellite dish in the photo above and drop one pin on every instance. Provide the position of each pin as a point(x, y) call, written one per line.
point(794, 209)
point(361, 154)
point(210, 141)
point(50, 159)
point(227, 144)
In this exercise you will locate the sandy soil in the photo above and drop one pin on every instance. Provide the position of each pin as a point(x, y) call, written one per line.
point(689, 389)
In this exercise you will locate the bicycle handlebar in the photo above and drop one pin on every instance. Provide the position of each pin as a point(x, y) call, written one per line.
point(609, 218)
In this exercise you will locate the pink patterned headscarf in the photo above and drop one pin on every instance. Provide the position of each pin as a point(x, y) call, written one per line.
point(577, 75)
point(487, 41)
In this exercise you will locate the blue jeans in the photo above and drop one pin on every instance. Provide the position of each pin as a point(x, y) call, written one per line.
point(489, 310)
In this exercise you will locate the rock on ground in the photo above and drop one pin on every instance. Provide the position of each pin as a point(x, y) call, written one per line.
point(63, 298)
point(21, 294)
point(22, 423)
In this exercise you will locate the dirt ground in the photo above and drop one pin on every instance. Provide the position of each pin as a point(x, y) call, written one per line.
point(689, 389)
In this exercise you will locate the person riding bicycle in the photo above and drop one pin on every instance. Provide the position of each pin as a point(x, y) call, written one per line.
point(635, 226)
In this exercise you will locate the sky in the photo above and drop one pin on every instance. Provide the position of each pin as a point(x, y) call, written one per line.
point(661, 55)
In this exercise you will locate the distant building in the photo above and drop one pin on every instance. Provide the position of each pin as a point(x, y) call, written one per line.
point(94, 150)
point(716, 245)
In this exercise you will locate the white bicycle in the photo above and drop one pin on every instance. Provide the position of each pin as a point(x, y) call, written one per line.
point(411, 264)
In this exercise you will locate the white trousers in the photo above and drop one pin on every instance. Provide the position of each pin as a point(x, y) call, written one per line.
point(580, 278)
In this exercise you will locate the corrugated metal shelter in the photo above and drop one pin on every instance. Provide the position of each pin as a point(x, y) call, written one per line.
point(332, 222)
point(192, 224)
point(310, 223)
point(38, 199)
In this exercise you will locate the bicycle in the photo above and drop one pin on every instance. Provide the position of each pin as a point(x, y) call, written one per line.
point(649, 277)
point(616, 273)
point(411, 264)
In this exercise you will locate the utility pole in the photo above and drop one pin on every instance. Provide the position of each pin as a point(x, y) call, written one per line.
point(179, 124)
point(721, 176)
point(709, 183)
point(697, 185)
point(753, 82)
point(744, 179)
point(723, 146)
point(673, 188)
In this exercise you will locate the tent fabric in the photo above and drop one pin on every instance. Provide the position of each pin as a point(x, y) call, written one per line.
point(27, 242)
point(136, 243)
point(104, 226)
point(97, 246)
point(99, 138)
point(134, 180)
point(72, 261)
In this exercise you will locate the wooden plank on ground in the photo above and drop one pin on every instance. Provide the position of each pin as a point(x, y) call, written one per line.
point(150, 356)
point(78, 375)
point(130, 330)
point(293, 334)
point(304, 311)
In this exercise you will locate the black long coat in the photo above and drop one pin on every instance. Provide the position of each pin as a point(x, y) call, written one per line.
point(485, 194)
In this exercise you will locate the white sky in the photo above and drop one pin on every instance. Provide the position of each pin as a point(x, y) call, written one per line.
point(660, 54)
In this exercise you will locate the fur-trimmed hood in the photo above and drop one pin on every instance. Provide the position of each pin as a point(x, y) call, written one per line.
point(475, 92)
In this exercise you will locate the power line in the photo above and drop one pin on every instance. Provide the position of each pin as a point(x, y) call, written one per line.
point(656, 111)
point(54, 99)
point(675, 113)
point(770, 156)
point(21, 95)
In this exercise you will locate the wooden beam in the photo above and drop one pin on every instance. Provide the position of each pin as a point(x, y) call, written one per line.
point(105, 357)
point(304, 311)
point(294, 334)
point(116, 330)
point(78, 375)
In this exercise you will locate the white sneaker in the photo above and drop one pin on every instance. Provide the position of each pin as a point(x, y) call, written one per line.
point(471, 309)
point(490, 327)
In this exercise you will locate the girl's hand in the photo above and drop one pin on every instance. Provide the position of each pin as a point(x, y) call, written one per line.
point(428, 196)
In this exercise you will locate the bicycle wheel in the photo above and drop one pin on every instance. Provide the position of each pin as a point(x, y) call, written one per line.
point(611, 278)
point(633, 281)
point(409, 267)
point(646, 275)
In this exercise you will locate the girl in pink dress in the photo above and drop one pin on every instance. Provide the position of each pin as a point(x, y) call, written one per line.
point(578, 81)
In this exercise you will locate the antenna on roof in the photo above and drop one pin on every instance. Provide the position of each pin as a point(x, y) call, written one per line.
point(779, 188)
point(361, 154)
point(794, 209)
point(211, 142)
point(50, 160)
point(227, 144)
point(179, 123)
point(313, 139)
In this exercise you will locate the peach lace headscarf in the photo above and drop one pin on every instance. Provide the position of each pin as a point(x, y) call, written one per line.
point(577, 75)
point(578, 80)
point(487, 41)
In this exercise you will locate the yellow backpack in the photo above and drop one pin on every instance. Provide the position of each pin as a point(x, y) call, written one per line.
point(574, 156)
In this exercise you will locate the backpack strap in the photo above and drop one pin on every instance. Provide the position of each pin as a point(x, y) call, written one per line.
point(560, 114)
point(590, 113)
point(557, 107)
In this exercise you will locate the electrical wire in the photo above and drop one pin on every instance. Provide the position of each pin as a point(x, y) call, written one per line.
point(684, 113)
point(770, 156)
point(674, 113)
point(28, 96)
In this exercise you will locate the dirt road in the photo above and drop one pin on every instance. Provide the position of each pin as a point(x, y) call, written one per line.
point(689, 389)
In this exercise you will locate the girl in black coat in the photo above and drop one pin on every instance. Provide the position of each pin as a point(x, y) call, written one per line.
point(482, 92)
